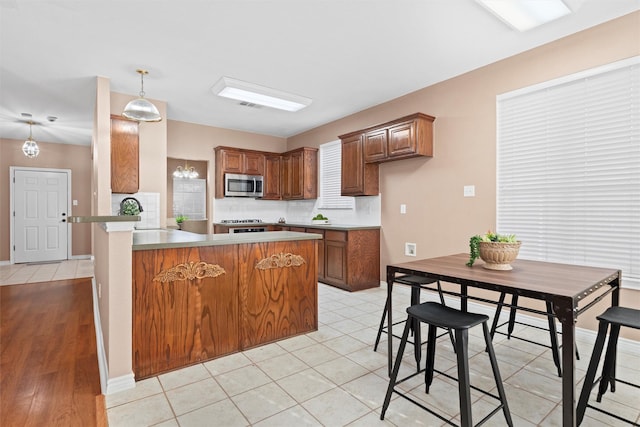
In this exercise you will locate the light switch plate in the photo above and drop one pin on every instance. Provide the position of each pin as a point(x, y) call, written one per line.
point(469, 191)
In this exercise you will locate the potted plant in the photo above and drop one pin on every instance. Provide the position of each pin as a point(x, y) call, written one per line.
point(496, 250)
point(320, 219)
point(180, 219)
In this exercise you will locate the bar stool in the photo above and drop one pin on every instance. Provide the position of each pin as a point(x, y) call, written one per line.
point(616, 317)
point(417, 283)
point(553, 331)
point(439, 316)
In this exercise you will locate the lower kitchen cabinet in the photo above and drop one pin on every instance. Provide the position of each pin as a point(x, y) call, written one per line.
point(349, 259)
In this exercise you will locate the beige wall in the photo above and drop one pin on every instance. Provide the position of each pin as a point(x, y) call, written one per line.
point(56, 156)
point(439, 219)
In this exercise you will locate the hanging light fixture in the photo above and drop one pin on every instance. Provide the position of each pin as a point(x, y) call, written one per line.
point(186, 172)
point(140, 109)
point(30, 147)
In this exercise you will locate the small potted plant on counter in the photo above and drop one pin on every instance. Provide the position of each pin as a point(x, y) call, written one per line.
point(180, 219)
point(496, 250)
point(320, 219)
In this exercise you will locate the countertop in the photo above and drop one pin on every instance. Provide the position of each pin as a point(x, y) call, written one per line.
point(305, 225)
point(103, 218)
point(164, 239)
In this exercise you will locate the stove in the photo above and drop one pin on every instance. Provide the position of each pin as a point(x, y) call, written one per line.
point(240, 221)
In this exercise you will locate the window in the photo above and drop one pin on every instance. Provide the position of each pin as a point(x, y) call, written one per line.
point(330, 178)
point(569, 169)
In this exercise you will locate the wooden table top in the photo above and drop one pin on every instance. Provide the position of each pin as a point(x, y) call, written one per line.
point(528, 278)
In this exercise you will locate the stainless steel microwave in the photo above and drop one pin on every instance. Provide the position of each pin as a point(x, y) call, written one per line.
point(236, 185)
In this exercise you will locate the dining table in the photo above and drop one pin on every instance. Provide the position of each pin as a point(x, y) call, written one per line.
point(571, 290)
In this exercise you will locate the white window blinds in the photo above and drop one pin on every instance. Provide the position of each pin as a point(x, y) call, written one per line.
point(330, 178)
point(569, 169)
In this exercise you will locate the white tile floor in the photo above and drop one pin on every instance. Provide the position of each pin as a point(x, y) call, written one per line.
point(13, 274)
point(332, 377)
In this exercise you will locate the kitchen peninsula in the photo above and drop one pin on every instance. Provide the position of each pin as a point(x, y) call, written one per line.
point(197, 297)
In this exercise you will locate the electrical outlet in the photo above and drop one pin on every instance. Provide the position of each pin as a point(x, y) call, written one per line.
point(410, 249)
point(403, 209)
point(469, 191)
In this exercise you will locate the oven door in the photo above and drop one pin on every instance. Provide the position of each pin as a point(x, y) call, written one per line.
point(236, 185)
point(247, 230)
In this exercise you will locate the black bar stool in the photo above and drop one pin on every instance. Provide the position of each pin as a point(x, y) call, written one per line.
point(417, 283)
point(553, 331)
point(616, 317)
point(439, 316)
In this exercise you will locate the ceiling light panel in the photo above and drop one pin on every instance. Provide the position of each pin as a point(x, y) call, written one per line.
point(524, 15)
point(261, 95)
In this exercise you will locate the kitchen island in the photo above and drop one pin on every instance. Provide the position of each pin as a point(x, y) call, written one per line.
point(197, 297)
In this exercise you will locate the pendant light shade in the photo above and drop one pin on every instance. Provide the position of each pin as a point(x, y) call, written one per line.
point(30, 147)
point(186, 172)
point(140, 109)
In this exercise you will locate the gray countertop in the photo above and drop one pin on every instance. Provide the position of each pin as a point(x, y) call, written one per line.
point(164, 239)
point(103, 218)
point(305, 225)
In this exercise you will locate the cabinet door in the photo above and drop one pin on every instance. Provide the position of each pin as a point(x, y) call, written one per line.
point(285, 177)
point(272, 170)
point(375, 145)
point(321, 260)
point(358, 178)
point(254, 163)
point(402, 140)
point(336, 262)
point(296, 175)
point(124, 155)
point(232, 161)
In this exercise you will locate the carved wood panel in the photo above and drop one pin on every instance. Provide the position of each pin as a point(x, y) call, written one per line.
point(278, 290)
point(184, 307)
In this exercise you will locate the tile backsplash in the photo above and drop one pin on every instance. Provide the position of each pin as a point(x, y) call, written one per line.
point(367, 210)
point(150, 215)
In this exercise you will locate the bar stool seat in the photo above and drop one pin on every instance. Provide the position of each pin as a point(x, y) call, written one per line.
point(417, 283)
point(439, 316)
point(616, 317)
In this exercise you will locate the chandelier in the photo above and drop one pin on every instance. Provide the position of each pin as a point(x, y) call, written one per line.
point(186, 172)
point(140, 109)
point(30, 147)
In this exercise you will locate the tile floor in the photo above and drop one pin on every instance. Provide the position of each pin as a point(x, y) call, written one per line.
point(13, 274)
point(332, 377)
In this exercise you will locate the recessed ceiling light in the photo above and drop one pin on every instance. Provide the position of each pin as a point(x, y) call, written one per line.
point(524, 15)
point(261, 95)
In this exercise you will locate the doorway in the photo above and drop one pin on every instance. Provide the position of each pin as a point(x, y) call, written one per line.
point(39, 211)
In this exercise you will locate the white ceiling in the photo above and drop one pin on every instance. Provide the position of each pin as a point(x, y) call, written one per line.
point(347, 55)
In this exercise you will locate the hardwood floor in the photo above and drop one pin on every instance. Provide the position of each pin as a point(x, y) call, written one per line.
point(48, 361)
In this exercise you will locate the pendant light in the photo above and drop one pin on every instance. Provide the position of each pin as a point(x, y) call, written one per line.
point(186, 172)
point(140, 109)
point(30, 147)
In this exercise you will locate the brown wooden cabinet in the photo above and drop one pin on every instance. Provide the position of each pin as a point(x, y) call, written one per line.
point(349, 259)
point(272, 173)
point(407, 137)
point(288, 176)
point(358, 178)
point(125, 160)
point(234, 160)
point(299, 174)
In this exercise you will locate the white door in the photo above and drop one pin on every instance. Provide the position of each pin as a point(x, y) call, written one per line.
point(40, 206)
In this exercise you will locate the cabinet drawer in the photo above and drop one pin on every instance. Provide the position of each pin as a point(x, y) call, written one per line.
point(335, 236)
point(315, 231)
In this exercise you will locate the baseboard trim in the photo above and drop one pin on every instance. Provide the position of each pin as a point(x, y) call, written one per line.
point(122, 383)
point(87, 256)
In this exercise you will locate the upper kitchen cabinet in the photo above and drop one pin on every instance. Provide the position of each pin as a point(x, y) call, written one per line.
point(125, 166)
point(299, 174)
point(272, 180)
point(234, 160)
point(358, 178)
point(409, 136)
